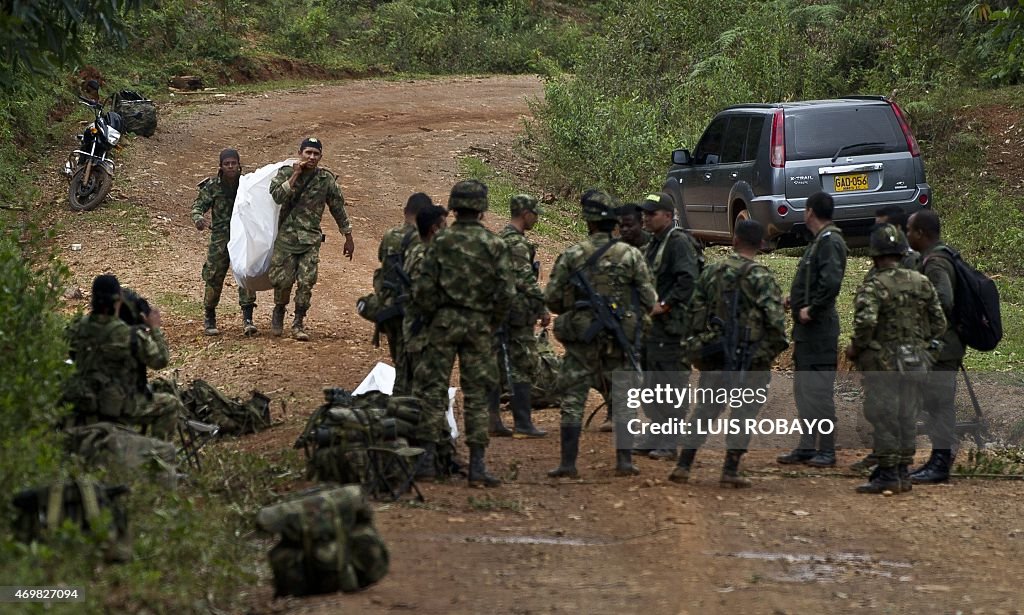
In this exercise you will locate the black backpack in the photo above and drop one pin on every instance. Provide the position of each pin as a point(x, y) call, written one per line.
point(976, 316)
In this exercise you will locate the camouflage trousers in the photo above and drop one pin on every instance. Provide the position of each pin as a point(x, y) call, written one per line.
point(215, 270)
point(392, 330)
point(160, 414)
point(466, 334)
point(523, 355)
point(590, 366)
point(707, 410)
point(891, 404)
point(287, 270)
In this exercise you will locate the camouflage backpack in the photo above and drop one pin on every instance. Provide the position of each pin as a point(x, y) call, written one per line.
point(83, 502)
point(328, 542)
point(123, 452)
point(138, 113)
point(234, 417)
point(338, 434)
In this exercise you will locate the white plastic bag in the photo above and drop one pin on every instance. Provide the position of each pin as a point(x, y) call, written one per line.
point(382, 378)
point(254, 227)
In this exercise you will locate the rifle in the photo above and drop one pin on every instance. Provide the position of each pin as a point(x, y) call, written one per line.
point(738, 348)
point(607, 315)
point(506, 358)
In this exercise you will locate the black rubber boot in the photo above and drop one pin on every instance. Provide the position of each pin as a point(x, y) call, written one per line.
point(248, 326)
point(521, 410)
point(903, 471)
point(478, 476)
point(731, 471)
point(681, 473)
point(298, 328)
point(277, 320)
point(624, 463)
point(936, 470)
point(570, 435)
point(426, 470)
point(797, 455)
point(496, 429)
point(823, 459)
point(210, 322)
point(882, 479)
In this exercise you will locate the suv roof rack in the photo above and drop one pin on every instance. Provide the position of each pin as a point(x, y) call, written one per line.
point(867, 97)
point(754, 106)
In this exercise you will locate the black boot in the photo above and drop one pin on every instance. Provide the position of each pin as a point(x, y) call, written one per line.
point(298, 328)
point(936, 470)
point(277, 320)
point(797, 455)
point(248, 326)
point(681, 473)
point(496, 428)
point(624, 463)
point(826, 457)
point(521, 410)
point(731, 470)
point(426, 471)
point(570, 448)
point(210, 322)
point(882, 479)
point(478, 476)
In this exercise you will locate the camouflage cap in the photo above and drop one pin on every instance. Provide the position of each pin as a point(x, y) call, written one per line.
point(886, 239)
point(468, 194)
point(598, 205)
point(524, 202)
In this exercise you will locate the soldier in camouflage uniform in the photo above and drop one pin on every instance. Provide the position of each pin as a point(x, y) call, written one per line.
point(812, 299)
point(110, 358)
point(896, 316)
point(925, 235)
point(390, 286)
point(618, 272)
point(517, 332)
point(464, 289)
point(218, 194)
point(759, 306)
point(302, 190)
point(673, 263)
point(631, 226)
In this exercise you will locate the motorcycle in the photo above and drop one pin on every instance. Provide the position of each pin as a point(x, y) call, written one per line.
point(90, 168)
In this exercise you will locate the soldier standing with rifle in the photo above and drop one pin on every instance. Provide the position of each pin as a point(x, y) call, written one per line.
point(602, 291)
point(517, 342)
point(217, 195)
point(897, 316)
point(737, 328)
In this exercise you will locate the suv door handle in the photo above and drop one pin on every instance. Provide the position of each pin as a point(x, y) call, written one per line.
point(707, 177)
point(733, 175)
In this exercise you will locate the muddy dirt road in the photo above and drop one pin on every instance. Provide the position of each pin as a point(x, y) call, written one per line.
point(799, 542)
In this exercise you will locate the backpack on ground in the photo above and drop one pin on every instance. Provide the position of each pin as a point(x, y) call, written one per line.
point(339, 434)
point(124, 452)
point(138, 113)
point(42, 510)
point(234, 417)
point(976, 315)
point(328, 542)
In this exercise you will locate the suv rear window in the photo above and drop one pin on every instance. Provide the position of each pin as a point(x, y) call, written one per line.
point(820, 133)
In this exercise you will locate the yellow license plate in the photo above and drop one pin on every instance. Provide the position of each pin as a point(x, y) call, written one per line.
point(851, 182)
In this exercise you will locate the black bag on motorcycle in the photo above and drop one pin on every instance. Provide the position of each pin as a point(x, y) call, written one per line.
point(138, 113)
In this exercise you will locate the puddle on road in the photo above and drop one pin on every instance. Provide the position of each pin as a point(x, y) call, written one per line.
point(806, 568)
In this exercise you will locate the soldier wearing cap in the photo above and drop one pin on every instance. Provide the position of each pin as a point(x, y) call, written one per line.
point(517, 334)
point(464, 291)
point(618, 273)
point(673, 263)
point(897, 315)
point(303, 190)
point(217, 195)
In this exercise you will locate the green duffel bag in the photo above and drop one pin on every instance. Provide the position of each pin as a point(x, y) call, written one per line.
point(138, 113)
point(124, 452)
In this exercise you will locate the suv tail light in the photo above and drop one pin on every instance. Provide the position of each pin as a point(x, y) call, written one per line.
point(912, 145)
point(778, 153)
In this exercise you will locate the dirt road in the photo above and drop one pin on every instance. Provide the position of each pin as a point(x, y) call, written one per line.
point(795, 543)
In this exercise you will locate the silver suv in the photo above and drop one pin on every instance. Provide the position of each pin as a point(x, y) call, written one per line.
point(762, 161)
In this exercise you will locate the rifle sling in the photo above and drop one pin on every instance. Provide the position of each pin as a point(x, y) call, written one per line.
point(292, 202)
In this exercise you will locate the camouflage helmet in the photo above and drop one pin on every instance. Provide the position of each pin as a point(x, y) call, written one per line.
point(886, 239)
point(597, 206)
point(468, 194)
point(524, 202)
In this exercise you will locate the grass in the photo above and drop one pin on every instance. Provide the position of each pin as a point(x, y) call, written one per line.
point(488, 503)
point(180, 305)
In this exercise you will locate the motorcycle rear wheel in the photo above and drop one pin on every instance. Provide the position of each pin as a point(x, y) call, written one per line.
point(86, 197)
